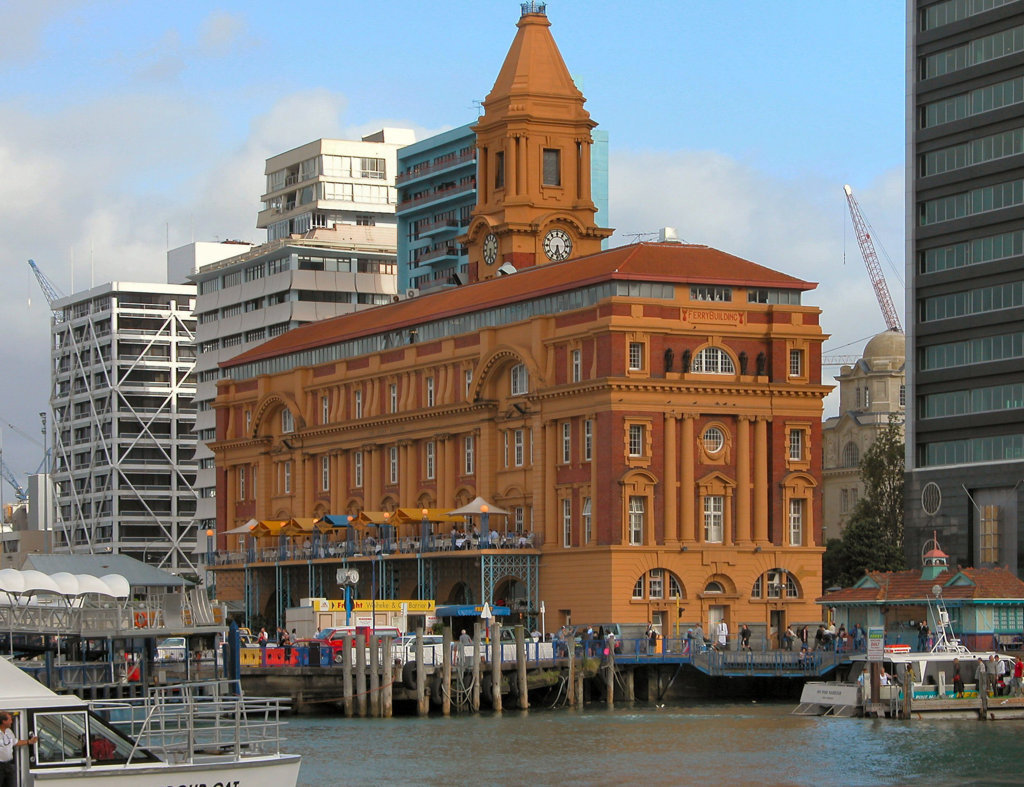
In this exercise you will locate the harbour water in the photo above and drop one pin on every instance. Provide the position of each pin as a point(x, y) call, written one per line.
point(710, 743)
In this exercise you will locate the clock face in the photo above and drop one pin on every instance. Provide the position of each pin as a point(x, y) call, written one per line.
point(490, 248)
point(557, 245)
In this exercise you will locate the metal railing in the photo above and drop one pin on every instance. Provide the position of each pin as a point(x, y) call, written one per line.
point(199, 722)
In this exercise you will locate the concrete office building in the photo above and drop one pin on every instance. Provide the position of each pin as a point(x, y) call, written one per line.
point(965, 270)
point(123, 442)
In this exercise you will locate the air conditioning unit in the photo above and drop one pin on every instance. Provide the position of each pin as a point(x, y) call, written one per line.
point(412, 292)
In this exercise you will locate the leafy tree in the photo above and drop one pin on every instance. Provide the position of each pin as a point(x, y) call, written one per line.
point(873, 538)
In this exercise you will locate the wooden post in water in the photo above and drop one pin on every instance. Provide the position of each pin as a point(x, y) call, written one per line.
point(346, 673)
point(477, 673)
point(389, 682)
point(524, 697)
point(609, 675)
point(446, 675)
point(360, 649)
point(422, 702)
point(983, 693)
point(579, 687)
point(570, 692)
point(496, 665)
point(375, 709)
point(908, 692)
point(629, 686)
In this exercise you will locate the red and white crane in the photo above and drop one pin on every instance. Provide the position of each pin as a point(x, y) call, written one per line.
point(867, 250)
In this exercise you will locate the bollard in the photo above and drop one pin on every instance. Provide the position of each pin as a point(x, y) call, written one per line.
point(476, 668)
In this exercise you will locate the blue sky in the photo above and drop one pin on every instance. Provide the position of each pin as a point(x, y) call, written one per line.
point(128, 125)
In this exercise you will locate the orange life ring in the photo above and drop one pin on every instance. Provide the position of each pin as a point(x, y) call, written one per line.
point(141, 620)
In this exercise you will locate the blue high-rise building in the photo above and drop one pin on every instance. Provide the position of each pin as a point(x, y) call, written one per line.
point(436, 195)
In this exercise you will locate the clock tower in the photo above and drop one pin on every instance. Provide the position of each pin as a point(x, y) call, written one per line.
point(533, 152)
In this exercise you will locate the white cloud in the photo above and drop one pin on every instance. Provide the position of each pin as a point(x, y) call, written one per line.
point(796, 226)
point(22, 25)
point(220, 32)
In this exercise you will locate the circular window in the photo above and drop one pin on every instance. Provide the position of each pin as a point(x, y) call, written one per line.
point(714, 439)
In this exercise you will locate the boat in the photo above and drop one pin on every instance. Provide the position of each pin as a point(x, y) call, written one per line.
point(928, 675)
point(196, 734)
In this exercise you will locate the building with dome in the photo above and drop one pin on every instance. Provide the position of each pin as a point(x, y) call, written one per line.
point(870, 391)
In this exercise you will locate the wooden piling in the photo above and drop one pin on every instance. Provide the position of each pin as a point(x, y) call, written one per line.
point(360, 678)
point(496, 665)
point(629, 686)
point(422, 702)
point(476, 668)
point(983, 693)
point(446, 675)
point(374, 698)
point(609, 676)
point(579, 687)
point(524, 697)
point(387, 695)
point(346, 674)
point(570, 691)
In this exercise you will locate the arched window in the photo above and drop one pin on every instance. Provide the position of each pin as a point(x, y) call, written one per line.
point(851, 455)
point(713, 360)
point(775, 583)
point(714, 587)
point(654, 584)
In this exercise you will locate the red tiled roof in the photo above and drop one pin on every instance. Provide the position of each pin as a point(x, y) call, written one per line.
point(666, 262)
point(895, 586)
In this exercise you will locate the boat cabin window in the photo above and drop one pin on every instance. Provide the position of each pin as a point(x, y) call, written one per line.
point(71, 737)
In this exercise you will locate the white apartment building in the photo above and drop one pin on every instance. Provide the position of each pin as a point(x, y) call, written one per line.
point(329, 212)
point(123, 414)
point(332, 182)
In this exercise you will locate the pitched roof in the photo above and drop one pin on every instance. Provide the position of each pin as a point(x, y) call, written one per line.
point(661, 262)
point(137, 573)
point(908, 587)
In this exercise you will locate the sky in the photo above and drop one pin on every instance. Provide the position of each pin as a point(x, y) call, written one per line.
point(128, 128)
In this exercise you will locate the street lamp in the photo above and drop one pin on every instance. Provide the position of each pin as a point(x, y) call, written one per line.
point(424, 530)
point(209, 547)
point(543, 626)
point(485, 518)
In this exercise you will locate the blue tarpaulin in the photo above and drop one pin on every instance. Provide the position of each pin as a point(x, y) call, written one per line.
point(468, 611)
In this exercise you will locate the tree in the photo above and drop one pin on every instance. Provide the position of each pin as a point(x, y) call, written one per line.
point(873, 538)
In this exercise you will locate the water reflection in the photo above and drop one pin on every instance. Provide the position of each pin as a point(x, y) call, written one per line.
point(725, 743)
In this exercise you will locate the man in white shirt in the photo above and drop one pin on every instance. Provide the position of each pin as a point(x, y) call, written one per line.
point(8, 743)
point(722, 635)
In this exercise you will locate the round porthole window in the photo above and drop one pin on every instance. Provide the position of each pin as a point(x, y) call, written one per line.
point(714, 439)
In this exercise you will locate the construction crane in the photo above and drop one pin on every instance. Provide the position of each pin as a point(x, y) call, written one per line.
point(867, 250)
point(49, 291)
point(9, 477)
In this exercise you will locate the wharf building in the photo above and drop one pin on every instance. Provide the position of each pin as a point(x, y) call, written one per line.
point(871, 391)
point(122, 357)
point(329, 213)
point(648, 416)
point(965, 274)
point(436, 198)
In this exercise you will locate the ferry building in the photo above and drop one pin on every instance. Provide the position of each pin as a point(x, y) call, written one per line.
point(648, 418)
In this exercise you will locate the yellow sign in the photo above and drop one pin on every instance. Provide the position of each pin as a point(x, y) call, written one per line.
point(366, 605)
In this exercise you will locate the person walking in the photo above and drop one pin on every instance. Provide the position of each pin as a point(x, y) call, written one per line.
point(1017, 684)
point(8, 743)
point(958, 680)
point(744, 637)
point(722, 635)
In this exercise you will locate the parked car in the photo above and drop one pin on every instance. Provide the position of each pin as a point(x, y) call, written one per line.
point(172, 649)
point(404, 648)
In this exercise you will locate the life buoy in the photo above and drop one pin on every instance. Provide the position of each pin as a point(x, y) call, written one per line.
point(141, 620)
point(409, 675)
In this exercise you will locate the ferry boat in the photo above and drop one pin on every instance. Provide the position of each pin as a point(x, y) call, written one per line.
point(180, 734)
point(927, 674)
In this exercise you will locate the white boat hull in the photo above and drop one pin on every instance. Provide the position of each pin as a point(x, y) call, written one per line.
point(255, 772)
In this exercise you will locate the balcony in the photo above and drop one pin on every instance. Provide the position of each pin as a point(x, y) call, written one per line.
point(437, 196)
point(449, 252)
point(440, 227)
point(425, 170)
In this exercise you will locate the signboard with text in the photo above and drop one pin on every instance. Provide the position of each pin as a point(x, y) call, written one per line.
point(876, 643)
